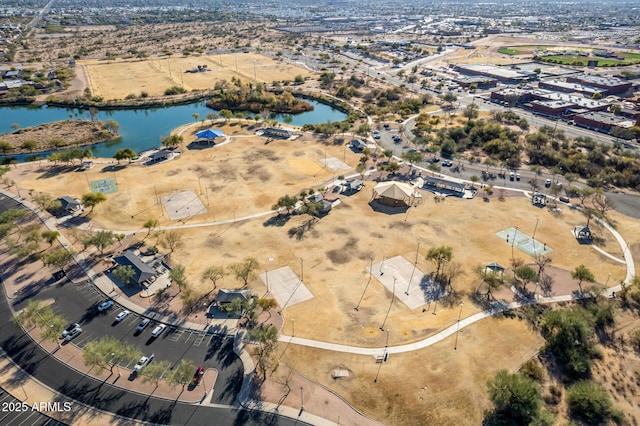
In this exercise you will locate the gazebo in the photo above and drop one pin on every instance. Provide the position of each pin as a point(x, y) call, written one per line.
point(396, 194)
point(209, 134)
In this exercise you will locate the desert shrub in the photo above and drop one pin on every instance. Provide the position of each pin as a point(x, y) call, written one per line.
point(590, 403)
point(533, 369)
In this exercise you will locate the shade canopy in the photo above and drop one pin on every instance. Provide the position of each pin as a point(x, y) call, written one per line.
point(209, 134)
point(395, 190)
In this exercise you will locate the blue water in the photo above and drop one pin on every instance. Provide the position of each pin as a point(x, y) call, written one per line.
point(141, 129)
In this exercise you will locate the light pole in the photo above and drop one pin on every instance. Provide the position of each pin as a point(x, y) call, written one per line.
point(301, 399)
point(302, 269)
point(382, 264)
point(384, 357)
point(370, 266)
point(390, 304)
point(455, 347)
point(533, 237)
point(414, 269)
point(266, 277)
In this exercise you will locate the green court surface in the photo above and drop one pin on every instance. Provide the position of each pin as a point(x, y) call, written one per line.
point(106, 186)
point(523, 242)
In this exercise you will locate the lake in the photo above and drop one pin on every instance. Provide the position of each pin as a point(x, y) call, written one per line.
point(141, 129)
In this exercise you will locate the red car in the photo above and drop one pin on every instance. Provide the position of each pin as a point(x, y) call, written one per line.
point(198, 375)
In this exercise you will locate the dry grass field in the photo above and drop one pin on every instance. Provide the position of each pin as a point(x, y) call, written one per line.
point(436, 385)
point(246, 177)
point(119, 78)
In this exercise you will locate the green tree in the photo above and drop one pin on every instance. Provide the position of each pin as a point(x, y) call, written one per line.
point(471, 111)
point(58, 258)
point(226, 114)
point(150, 225)
point(54, 326)
point(582, 273)
point(182, 374)
point(102, 239)
point(213, 273)
point(526, 274)
point(125, 154)
point(440, 256)
point(178, 276)
point(28, 317)
point(569, 334)
point(112, 125)
point(267, 341)
point(411, 157)
point(287, 202)
point(5, 147)
point(50, 236)
point(516, 399)
point(124, 274)
point(590, 403)
point(29, 145)
point(92, 199)
point(154, 372)
point(244, 271)
point(171, 141)
point(42, 200)
point(108, 351)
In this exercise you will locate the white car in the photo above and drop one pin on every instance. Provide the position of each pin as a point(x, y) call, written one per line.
point(70, 328)
point(144, 361)
point(122, 315)
point(158, 330)
point(105, 305)
point(73, 334)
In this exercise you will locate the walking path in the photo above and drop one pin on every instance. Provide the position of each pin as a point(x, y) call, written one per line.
point(106, 286)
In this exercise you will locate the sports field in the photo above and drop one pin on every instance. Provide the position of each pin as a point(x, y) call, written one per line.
point(106, 186)
point(120, 78)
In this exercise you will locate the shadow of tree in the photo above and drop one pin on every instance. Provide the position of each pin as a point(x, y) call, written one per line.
point(278, 220)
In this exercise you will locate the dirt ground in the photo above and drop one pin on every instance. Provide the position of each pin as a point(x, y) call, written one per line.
point(119, 78)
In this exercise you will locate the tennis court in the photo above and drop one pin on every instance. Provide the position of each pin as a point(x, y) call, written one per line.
point(106, 186)
point(523, 242)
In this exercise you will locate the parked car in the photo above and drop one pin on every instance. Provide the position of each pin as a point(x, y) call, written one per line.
point(144, 361)
point(435, 159)
point(198, 375)
point(143, 324)
point(517, 176)
point(447, 163)
point(105, 305)
point(71, 335)
point(122, 315)
point(512, 176)
point(70, 328)
point(158, 330)
point(376, 136)
point(547, 183)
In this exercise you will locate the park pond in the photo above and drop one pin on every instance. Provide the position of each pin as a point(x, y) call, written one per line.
point(141, 129)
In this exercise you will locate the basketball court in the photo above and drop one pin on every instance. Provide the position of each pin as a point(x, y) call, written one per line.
point(334, 164)
point(523, 242)
point(285, 286)
point(182, 205)
point(409, 284)
point(106, 186)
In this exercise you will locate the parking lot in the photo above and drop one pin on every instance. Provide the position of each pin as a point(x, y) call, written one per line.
point(78, 303)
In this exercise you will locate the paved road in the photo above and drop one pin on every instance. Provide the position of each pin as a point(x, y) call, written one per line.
point(80, 389)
